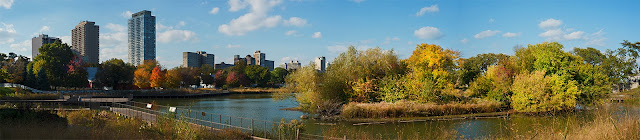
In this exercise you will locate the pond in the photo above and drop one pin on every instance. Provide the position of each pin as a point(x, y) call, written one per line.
point(264, 107)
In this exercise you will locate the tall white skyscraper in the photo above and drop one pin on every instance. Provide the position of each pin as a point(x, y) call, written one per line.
point(142, 37)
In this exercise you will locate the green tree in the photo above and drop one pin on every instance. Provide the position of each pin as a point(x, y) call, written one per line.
point(42, 80)
point(53, 59)
point(190, 76)
point(475, 66)
point(563, 85)
point(278, 75)
point(257, 74)
point(3, 75)
point(590, 55)
point(173, 78)
point(207, 69)
point(115, 72)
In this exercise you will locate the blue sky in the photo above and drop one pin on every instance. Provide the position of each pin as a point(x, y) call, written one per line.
point(303, 29)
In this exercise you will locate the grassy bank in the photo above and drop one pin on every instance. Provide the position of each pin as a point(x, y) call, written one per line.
point(21, 94)
point(412, 109)
point(106, 124)
point(256, 90)
point(604, 123)
point(88, 124)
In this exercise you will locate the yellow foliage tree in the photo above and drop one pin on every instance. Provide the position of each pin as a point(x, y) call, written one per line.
point(431, 75)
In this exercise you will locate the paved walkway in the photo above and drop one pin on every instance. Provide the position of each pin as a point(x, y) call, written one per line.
point(135, 113)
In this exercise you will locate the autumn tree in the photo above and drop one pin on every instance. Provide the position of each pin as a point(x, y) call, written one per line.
point(157, 78)
point(220, 78)
point(142, 74)
point(475, 66)
point(76, 74)
point(174, 79)
point(561, 80)
point(431, 76)
point(236, 79)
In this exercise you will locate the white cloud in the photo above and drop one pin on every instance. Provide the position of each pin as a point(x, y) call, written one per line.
point(428, 32)
point(510, 34)
point(116, 27)
point(554, 34)
point(574, 35)
point(550, 24)
point(176, 36)
point(66, 39)
point(257, 18)
point(491, 20)
point(44, 29)
point(6, 3)
point(317, 35)
point(554, 31)
point(233, 46)
point(181, 23)
point(214, 11)
point(395, 39)
point(485, 34)
point(236, 5)
point(127, 14)
point(357, 1)
point(113, 42)
point(464, 41)
point(410, 43)
point(7, 33)
point(430, 9)
point(596, 39)
point(292, 33)
point(22, 46)
point(161, 27)
point(295, 21)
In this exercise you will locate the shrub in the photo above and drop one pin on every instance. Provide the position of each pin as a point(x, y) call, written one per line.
point(413, 109)
point(536, 92)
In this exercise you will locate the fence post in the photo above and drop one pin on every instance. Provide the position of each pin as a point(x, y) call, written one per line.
point(297, 134)
point(252, 127)
point(220, 117)
point(265, 129)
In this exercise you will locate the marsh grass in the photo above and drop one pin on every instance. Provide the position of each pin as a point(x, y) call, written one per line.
point(22, 94)
point(603, 124)
point(107, 124)
point(412, 109)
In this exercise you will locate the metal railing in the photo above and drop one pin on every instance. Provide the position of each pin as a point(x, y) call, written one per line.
point(214, 121)
point(153, 112)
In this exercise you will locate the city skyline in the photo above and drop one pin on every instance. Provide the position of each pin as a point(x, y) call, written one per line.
point(303, 30)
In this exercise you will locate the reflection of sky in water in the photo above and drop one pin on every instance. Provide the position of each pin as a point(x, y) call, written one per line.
point(263, 107)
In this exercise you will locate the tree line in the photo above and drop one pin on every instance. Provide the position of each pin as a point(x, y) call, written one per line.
point(537, 78)
point(58, 67)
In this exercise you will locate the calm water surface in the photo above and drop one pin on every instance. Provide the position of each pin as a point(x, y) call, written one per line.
point(262, 106)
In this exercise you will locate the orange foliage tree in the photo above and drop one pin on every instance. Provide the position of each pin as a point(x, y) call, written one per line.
point(157, 77)
point(142, 75)
point(141, 78)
